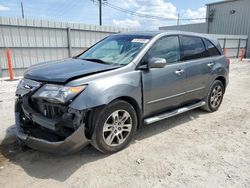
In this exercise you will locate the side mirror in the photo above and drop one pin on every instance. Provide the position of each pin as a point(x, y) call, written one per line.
point(157, 63)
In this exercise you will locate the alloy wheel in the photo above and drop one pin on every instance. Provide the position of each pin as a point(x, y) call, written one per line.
point(117, 128)
point(216, 96)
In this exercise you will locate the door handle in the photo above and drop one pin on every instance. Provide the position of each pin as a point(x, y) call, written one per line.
point(179, 72)
point(210, 64)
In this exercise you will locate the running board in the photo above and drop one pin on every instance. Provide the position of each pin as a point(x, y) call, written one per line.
point(173, 113)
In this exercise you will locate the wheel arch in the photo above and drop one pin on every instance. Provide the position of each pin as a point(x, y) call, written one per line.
point(91, 115)
point(135, 105)
point(223, 80)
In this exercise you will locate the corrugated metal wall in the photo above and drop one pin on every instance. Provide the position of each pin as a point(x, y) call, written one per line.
point(227, 22)
point(230, 17)
point(32, 41)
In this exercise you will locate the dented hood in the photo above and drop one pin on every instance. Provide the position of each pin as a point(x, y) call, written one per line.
point(65, 70)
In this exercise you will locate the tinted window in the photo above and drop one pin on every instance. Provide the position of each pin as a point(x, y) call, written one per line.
point(192, 48)
point(211, 49)
point(167, 48)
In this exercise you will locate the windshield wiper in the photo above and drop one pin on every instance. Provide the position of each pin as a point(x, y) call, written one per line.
point(96, 60)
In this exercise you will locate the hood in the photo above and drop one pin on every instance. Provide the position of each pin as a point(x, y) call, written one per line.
point(65, 70)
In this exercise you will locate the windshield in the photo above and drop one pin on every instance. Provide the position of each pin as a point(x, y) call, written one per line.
point(117, 49)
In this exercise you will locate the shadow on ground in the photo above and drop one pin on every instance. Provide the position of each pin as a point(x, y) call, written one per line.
point(50, 166)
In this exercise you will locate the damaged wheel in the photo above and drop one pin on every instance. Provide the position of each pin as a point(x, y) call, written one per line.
point(115, 127)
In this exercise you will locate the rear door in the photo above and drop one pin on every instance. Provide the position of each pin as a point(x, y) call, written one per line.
point(163, 88)
point(198, 66)
point(215, 56)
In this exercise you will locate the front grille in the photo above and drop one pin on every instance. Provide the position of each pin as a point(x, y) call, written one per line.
point(48, 110)
point(51, 111)
point(56, 119)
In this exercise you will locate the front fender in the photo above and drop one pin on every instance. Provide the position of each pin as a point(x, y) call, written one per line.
point(104, 90)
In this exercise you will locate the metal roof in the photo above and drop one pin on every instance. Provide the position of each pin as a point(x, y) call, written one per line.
point(220, 2)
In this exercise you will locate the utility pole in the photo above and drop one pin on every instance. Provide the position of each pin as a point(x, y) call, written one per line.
point(100, 12)
point(178, 20)
point(22, 10)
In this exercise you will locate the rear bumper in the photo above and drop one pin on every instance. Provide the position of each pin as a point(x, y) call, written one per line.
point(76, 141)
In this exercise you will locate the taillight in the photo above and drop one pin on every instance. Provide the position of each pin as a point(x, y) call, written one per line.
point(228, 61)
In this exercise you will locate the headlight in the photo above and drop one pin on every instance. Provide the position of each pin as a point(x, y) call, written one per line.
point(58, 93)
point(25, 86)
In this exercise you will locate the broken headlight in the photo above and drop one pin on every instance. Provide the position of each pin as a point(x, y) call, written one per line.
point(25, 86)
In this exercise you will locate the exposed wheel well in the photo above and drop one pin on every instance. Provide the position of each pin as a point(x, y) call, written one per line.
point(223, 80)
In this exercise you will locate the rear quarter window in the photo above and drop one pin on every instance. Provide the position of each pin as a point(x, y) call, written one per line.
point(211, 49)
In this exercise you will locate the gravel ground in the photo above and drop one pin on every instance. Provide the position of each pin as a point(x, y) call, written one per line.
point(195, 149)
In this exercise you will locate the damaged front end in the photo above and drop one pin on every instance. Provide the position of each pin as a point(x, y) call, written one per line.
point(47, 126)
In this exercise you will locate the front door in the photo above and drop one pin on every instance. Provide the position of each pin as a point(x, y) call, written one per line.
point(163, 88)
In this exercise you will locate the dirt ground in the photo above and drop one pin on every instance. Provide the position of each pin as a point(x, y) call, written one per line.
point(195, 149)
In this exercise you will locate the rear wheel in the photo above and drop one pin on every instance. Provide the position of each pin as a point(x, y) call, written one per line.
point(115, 126)
point(214, 97)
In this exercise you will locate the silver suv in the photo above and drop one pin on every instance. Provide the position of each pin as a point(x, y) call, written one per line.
point(105, 94)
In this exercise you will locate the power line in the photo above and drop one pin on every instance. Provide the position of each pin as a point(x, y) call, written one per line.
point(146, 15)
point(137, 14)
point(62, 10)
point(149, 16)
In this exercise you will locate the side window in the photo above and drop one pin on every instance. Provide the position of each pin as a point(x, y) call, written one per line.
point(211, 49)
point(167, 48)
point(192, 48)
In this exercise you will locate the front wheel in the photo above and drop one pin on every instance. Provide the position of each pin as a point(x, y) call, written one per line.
point(115, 126)
point(214, 97)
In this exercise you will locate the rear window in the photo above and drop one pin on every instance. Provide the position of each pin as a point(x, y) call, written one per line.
point(192, 48)
point(211, 49)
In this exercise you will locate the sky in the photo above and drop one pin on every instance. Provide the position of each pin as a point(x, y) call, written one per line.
point(86, 11)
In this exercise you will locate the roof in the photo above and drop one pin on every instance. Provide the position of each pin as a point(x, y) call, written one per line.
point(168, 32)
point(220, 2)
point(141, 33)
point(171, 32)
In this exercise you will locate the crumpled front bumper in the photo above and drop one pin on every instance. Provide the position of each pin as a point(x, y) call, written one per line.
point(73, 143)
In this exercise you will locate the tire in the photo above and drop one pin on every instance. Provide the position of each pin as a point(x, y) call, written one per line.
point(114, 127)
point(23, 147)
point(214, 97)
